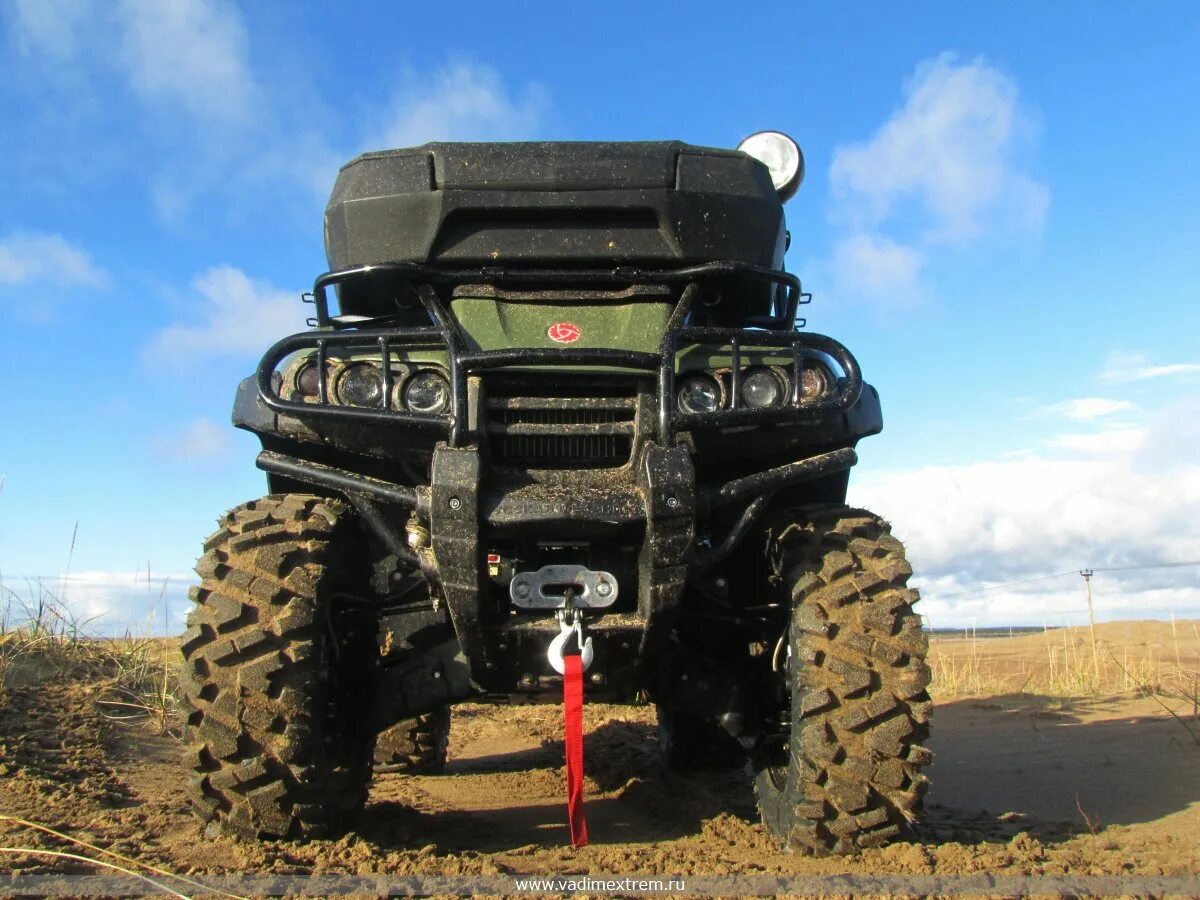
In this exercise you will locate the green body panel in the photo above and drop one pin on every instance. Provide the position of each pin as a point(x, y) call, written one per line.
point(503, 324)
point(490, 324)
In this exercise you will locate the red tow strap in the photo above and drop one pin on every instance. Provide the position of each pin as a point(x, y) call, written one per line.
point(573, 739)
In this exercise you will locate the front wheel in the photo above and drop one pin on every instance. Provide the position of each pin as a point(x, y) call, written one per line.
point(841, 770)
point(276, 673)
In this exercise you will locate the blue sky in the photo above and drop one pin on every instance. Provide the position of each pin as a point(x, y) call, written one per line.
point(999, 218)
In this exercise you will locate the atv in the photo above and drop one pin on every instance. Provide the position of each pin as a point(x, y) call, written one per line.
point(558, 390)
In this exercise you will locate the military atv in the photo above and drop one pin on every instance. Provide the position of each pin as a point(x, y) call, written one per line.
point(552, 389)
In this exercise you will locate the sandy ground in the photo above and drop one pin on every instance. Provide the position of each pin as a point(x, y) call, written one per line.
point(1021, 784)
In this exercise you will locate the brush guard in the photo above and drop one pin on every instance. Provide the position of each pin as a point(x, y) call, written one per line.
point(764, 333)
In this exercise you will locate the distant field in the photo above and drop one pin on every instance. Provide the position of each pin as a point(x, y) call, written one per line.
point(993, 631)
point(1138, 656)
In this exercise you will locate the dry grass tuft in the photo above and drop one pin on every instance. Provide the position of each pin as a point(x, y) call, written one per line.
point(41, 638)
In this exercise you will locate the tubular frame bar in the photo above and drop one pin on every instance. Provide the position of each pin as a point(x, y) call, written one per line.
point(341, 480)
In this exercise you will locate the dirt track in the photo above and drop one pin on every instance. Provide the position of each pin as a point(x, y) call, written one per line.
point(1016, 781)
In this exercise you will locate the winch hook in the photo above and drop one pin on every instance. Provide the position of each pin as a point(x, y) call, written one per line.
point(570, 623)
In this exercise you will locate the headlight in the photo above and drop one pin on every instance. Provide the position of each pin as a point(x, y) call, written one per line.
point(307, 380)
point(427, 393)
point(762, 388)
point(781, 155)
point(361, 384)
point(815, 382)
point(698, 394)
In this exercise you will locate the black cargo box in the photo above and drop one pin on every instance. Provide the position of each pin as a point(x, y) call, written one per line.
point(554, 205)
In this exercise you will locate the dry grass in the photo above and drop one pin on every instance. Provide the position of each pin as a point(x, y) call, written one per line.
point(1064, 662)
point(41, 638)
point(126, 865)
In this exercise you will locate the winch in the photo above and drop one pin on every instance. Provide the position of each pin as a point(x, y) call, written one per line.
point(569, 589)
point(549, 587)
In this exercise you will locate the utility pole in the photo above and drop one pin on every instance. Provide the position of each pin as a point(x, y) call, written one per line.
point(1087, 580)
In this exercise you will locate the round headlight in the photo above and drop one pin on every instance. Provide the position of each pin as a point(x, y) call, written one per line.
point(361, 384)
point(815, 382)
point(307, 380)
point(427, 393)
point(782, 157)
point(762, 388)
point(698, 394)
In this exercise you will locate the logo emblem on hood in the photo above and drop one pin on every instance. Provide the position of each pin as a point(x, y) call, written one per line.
point(563, 332)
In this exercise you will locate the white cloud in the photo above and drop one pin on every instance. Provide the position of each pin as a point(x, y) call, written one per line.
point(47, 259)
point(171, 79)
point(199, 440)
point(187, 53)
point(49, 27)
point(239, 316)
point(874, 266)
point(103, 602)
point(1126, 367)
point(1164, 371)
point(943, 168)
point(1104, 503)
point(954, 603)
point(1117, 440)
point(1085, 409)
point(218, 117)
point(1174, 434)
point(461, 102)
point(950, 150)
point(179, 55)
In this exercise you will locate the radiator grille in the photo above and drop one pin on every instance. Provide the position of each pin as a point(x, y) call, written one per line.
point(561, 432)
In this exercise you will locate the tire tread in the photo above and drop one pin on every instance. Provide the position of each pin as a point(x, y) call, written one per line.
point(253, 677)
point(860, 705)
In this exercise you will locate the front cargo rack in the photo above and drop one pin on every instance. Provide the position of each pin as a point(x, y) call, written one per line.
point(776, 332)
